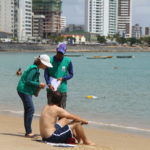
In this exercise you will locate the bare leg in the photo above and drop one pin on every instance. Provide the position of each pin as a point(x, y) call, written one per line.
point(80, 133)
point(62, 122)
point(77, 129)
point(78, 140)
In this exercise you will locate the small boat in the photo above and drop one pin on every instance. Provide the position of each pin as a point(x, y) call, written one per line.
point(124, 56)
point(99, 57)
point(73, 55)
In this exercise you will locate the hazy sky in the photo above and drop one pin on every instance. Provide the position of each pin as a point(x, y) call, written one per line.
point(74, 11)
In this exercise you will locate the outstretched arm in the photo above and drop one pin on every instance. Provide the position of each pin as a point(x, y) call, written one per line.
point(64, 114)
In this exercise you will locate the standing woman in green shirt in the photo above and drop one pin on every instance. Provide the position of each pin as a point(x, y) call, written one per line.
point(28, 85)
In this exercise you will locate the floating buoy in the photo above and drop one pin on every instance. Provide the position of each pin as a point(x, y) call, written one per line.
point(91, 97)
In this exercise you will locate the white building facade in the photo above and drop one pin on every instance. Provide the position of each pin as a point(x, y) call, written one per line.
point(7, 16)
point(24, 20)
point(137, 31)
point(101, 16)
point(108, 17)
point(63, 22)
point(16, 18)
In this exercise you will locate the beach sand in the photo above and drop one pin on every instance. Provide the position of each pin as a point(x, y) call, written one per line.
point(12, 138)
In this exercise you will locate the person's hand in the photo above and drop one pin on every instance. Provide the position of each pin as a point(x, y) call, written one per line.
point(84, 122)
point(60, 79)
point(42, 85)
point(51, 87)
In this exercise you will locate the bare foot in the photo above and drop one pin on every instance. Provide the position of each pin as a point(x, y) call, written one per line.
point(88, 142)
point(30, 135)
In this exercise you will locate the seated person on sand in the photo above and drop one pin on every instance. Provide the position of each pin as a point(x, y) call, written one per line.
point(59, 131)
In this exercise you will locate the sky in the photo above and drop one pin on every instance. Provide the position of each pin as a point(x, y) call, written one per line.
point(74, 11)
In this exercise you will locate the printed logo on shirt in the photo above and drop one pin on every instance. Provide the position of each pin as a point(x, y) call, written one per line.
point(63, 68)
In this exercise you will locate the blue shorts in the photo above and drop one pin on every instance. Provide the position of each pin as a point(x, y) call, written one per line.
point(60, 135)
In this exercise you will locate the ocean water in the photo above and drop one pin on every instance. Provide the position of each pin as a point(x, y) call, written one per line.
point(121, 88)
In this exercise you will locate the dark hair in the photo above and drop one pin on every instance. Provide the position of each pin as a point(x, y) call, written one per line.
point(37, 61)
point(56, 97)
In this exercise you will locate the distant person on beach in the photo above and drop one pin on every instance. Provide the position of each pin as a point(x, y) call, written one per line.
point(19, 72)
point(29, 85)
point(60, 131)
point(62, 70)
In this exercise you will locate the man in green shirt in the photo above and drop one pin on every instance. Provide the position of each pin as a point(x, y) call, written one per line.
point(62, 70)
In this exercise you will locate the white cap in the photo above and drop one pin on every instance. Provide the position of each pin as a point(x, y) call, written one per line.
point(45, 60)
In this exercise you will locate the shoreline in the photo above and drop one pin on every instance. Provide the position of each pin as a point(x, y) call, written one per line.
point(23, 47)
point(12, 132)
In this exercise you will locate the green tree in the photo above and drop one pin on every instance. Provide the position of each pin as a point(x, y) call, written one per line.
point(121, 40)
point(132, 41)
point(101, 39)
point(116, 36)
point(138, 41)
point(147, 40)
point(59, 39)
point(56, 39)
point(110, 37)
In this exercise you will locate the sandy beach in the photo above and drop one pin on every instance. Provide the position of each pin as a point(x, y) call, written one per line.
point(12, 137)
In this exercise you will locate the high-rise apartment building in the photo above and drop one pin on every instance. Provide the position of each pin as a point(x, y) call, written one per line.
point(51, 9)
point(124, 18)
point(16, 24)
point(147, 31)
point(101, 16)
point(16, 18)
point(63, 23)
point(136, 31)
point(112, 16)
point(7, 16)
point(24, 27)
point(108, 17)
point(38, 26)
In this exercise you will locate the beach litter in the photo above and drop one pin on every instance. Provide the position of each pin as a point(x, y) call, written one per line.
point(91, 97)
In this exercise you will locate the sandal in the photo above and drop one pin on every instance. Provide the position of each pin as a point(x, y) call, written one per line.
point(30, 135)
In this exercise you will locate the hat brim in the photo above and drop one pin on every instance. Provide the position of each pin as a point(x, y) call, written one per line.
point(61, 51)
point(47, 64)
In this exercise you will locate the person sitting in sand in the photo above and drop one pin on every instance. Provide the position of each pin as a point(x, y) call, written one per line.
point(19, 72)
point(59, 131)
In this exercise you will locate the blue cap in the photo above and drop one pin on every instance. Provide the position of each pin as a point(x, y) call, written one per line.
point(62, 47)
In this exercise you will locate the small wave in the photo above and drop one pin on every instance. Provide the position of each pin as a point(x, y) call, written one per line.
point(12, 111)
point(16, 112)
point(119, 126)
point(36, 115)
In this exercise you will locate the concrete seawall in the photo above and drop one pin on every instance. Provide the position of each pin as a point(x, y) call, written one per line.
point(71, 48)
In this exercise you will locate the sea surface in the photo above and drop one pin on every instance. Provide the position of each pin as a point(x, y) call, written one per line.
point(121, 88)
